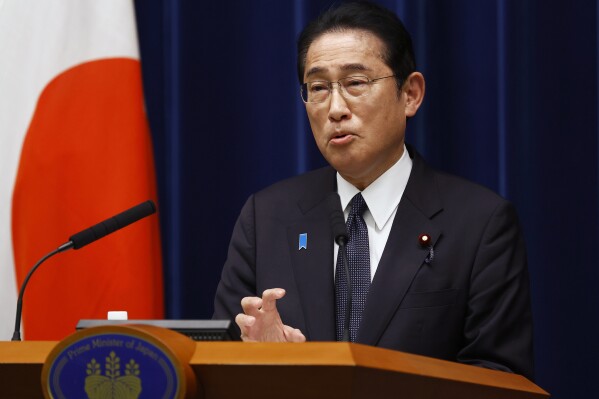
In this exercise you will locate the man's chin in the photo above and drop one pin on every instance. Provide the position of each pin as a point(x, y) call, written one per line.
point(348, 171)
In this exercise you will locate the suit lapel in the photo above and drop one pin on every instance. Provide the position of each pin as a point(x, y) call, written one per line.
point(313, 273)
point(313, 265)
point(403, 255)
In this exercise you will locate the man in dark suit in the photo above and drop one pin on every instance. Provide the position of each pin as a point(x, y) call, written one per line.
point(437, 265)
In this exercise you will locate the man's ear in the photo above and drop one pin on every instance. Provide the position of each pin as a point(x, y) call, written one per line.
point(414, 89)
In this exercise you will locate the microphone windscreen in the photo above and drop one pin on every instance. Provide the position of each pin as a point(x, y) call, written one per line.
point(337, 219)
point(112, 224)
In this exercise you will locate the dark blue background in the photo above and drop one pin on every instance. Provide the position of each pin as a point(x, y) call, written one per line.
point(511, 103)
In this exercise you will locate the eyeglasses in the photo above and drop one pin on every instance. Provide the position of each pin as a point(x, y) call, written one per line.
point(319, 91)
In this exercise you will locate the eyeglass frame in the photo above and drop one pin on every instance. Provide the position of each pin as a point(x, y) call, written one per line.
point(340, 86)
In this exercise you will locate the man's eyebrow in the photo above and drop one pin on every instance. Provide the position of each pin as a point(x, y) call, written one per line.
point(344, 67)
point(354, 67)
point(314, 70)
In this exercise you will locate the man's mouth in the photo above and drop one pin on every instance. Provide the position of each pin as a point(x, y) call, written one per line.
point(341, 138)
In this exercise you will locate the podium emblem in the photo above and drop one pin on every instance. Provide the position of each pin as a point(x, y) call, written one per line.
point(111, 383)
point(118, 362)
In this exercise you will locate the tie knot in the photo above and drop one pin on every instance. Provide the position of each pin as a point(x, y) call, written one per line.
point(358, 205)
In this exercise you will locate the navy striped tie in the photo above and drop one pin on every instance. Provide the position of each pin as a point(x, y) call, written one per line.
point(358, 257)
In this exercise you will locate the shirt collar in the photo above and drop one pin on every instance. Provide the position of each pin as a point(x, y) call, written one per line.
point(383, 195)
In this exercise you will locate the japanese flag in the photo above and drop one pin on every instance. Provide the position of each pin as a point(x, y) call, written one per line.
point(74, 149)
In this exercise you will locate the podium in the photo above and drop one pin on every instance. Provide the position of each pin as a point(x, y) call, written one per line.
point(345, 370)
point(307, 370)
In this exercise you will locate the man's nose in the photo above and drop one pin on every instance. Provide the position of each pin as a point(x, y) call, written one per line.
point(338, 107)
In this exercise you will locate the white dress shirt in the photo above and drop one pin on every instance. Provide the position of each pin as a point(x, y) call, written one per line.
point(382, 197)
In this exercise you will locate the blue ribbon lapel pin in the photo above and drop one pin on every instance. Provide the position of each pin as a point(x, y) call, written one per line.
point(303, 241)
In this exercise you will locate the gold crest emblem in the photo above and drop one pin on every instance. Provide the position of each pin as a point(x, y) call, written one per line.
point(112, 385)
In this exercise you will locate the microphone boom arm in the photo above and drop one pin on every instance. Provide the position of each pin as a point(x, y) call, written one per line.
point(82, 239)
point(17, 333)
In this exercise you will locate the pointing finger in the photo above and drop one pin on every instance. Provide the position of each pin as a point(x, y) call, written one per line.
point(269, 298)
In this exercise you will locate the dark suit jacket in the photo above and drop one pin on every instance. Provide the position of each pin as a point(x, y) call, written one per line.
point(471, 304)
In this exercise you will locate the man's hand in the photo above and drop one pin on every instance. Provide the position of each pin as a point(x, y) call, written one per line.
point(261, 322)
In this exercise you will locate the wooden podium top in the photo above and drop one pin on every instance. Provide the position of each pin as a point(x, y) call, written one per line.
point(306, 370)
point(344, 370)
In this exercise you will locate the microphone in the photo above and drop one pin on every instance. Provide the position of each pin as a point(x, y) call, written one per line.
point(338, 226)
point(83, 238)
point(340, 236)
point(112, 224)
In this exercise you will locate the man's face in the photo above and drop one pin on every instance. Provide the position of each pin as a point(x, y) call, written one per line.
point(360, 137)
